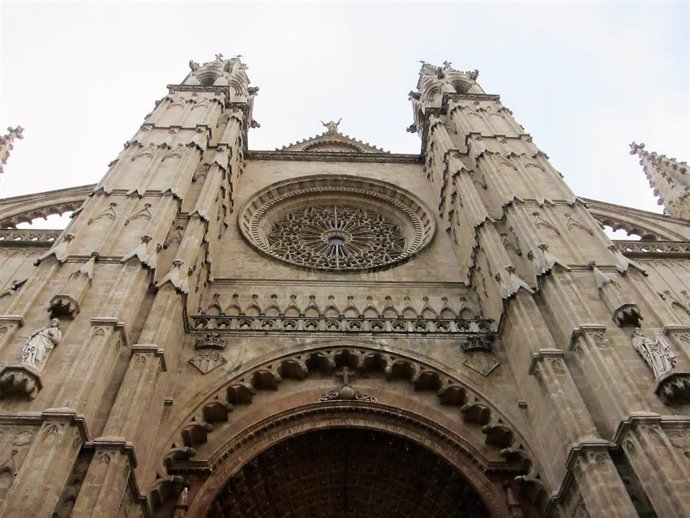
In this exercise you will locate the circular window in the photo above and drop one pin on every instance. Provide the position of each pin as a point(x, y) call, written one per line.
point(336, 223)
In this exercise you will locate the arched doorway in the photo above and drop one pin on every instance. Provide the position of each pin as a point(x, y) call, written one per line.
point(347, 459)
point(348, 472)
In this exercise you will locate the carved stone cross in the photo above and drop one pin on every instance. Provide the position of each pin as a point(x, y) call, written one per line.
point(345, 374)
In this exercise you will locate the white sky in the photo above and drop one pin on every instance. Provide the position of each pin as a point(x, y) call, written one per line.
point(584, 78)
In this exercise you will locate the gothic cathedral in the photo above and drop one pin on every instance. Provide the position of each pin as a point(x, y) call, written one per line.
point(330, 330)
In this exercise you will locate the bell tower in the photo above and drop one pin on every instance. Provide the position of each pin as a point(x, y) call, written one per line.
point(566, 302)
point(117, 280)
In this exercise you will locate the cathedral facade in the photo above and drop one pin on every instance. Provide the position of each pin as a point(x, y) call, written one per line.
point(332, 330)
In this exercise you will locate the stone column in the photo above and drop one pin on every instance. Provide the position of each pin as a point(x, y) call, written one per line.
point(572, 436)
point(600, 360)
point(88, 379)
point(658, 449)
point(600, 485)
point(114, 461)
point(47, 466)
point(124, 432)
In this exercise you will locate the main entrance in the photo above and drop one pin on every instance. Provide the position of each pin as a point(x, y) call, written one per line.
point(347, 472)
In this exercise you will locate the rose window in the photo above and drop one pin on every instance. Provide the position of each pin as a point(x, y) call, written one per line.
point(336, 223)
point(337, 237)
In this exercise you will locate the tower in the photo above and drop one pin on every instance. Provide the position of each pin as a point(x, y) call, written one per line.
point(330, 329)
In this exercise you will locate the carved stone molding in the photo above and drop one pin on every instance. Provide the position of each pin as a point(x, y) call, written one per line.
point(242, 448)
point(656, 249)
point(152, 349)
point(115, 445)
point(371, 363)
point(475, 334)
point(28, 237)
point(306, 156)
point(115, 324)
point(543, 354)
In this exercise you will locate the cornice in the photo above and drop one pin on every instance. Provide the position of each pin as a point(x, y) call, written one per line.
point(306, 156)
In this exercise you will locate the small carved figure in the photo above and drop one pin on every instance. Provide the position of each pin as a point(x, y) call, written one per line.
point(193, 65)
point(332, 126)
point(40, 343)
point(6, 143)
point(657, 353)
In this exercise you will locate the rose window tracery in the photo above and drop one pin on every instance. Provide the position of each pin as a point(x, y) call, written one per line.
point(336, 223)
point(337, 237)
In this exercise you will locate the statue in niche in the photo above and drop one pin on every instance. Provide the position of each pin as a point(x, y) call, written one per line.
point(657, 353)
point(40, 343)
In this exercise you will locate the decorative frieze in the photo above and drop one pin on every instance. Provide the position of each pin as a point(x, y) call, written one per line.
point(28, 237)
point(656, 249)
point(477, 331)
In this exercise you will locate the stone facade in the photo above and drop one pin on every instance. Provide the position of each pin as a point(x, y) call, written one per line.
point(329, 329)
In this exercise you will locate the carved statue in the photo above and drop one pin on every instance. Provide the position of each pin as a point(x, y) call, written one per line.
point(332, 126)
point(657, 353)
point(193, 65)
point(40, 343)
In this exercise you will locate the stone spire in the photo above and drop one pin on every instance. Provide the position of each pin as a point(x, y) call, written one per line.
point(6, 144)
point(669, 178)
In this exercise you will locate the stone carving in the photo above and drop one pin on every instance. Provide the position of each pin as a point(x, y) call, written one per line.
point(378, 226)
point(331, 126)
point(7, 143)
point(182, 503)
point(35, 236)
point(20, 379)
point(208, 360)
point(209, 341)
point(623, 310)
point(337, 238)
point(657, 353)
point(144, 213)
point(482, 362)
point(68, 301)
point(108, 213)
point(344, 391)
point(571, 223)
point(541, 222)
point(40, 343)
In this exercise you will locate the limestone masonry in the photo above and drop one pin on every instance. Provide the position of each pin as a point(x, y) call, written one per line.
point(330, 330)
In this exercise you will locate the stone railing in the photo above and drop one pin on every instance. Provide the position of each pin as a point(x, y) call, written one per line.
point(654, 248)
point(27, 236)
point(473, 333)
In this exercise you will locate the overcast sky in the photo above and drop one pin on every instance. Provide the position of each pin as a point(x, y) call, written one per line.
point(584, 78)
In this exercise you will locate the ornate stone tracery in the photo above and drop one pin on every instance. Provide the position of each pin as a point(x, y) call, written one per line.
point(337, 223)
point(337, 237)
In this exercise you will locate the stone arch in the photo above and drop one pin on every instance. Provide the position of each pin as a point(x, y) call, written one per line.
point(339, 415)
point(649, 226)
point(471, 410)
point(26, 208)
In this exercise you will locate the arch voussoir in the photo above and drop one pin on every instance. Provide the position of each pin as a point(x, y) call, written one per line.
point(268, 376)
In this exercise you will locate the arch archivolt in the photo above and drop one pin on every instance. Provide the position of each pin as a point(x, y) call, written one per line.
point(444, 443)
point(405, 392)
